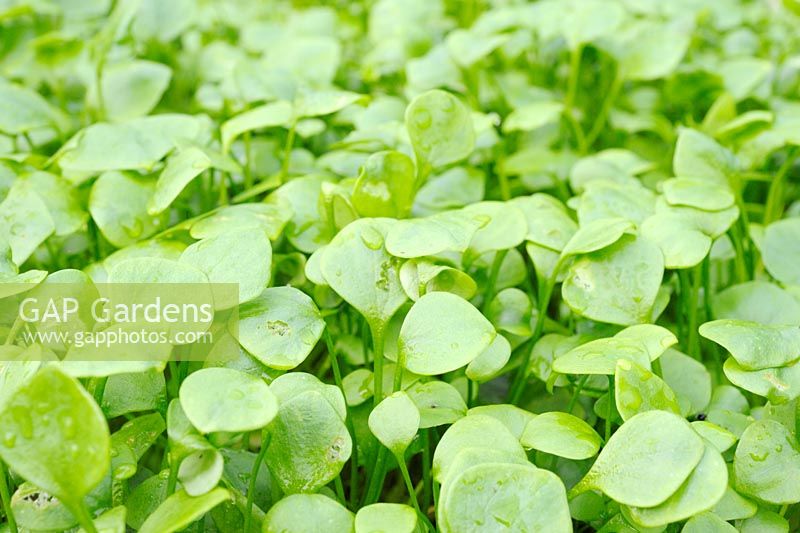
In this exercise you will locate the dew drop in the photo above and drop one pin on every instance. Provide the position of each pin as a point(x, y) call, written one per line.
point(372, 238)
point(23, 419)
point(422, 119)
point(9, 439)
point(235, 394)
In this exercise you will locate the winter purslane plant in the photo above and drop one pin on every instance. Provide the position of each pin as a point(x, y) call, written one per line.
point(499, 265)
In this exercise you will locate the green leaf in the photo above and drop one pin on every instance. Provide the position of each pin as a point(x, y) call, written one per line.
point(688, 378)
point(243, 257)
point(441, 333)
point(596, 235)
point(549, 225)
point(180, 510)
point(308, 513)
point(707, 523)
point(280, 327)
point(131, 89)
point(266, 116)
point(223, 399)
point(440, 128)
point(753, 345)
point(55, 436)
point(653, 50)
point(309, 444)
point(137, 144)
point(506, 226)
point(757, 301)
point(474, 431)
point(714, 435)
point(467, 47)
point(702, 490)
point(111, 521)
point(449, 231)
point(681, 242)
point(781, 252)
point(778, 385)
point(505, 497)
point(491, 361)
point(118, 204)
point(438, 403)
point(62, 199)
point(639, 344)
point(698, 156)
point(533, 116)
point(697, 193)
point(765, 522)
point(767, 463)
point(419, 277)
point(181, 168)
point(269, 217)
point(584, 22)
point(324, 102)
point(592, 287)
point(395, 421)
point(357, 266)
point(511, 416)
point(385, 186)
point(646, 460)
point(25, 223)
point(383, 517)
point(23, 110)
point(638, 390)
point(561, 434)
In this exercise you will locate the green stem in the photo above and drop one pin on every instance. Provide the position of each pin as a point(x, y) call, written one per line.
point(251, 487)
point(426, 468)
point(693, 341)
point(600, 121)
point(569, 99)
point(6, 497)
point(172, 481)
point(494, 271)
point(412, 493)
point(248, 173)
point(610, 409)
point(738, 259)
point(775, 202)
point(376, 479)
point(14, 331)
point(576, 393)
point(471, 392)
point(337, 377)
point(97, 387)
point(287, 152)
point(377, 365)
point(84, 517)
point(518, 384)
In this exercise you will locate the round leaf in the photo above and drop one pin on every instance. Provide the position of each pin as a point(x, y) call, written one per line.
point(55, 436)
point(356, 265)
point(308, 513)
point(280, 327)
point(440, 128)
point(618, 284)
point(561, 434)
point(506, 497)
point(386, 517)
point(223, 399)
point(395, 421)
point(309, 445)
point(442, 332)
point(638, 390)
point(767, 463)
point(242, 257)
point(646, 460)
